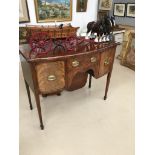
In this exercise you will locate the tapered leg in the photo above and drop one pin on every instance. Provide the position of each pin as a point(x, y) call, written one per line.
point(107, 85)
point(44, 95)
point(59, 94)
point(39, 110)
point(28, 93)
point(90, 78)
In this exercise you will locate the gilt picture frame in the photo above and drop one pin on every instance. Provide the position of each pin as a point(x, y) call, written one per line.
point(81, 6)
point(23, 12)
point(53, 10)
point(119, 9)
point(128, 55)
point(105, 4)
point(130, 10)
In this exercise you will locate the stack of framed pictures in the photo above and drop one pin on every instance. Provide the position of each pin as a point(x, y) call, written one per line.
point(121, 8)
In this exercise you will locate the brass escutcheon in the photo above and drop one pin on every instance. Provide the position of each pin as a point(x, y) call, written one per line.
point(51, 78)
point(106, 62)
point(93, 59)
point(75, 63)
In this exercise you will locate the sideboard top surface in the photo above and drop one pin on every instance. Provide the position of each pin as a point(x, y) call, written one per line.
point(25, 50)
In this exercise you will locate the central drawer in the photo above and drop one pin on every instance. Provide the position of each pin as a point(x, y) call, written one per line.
point(82, 62)
point(77, 68)
point(50, 76)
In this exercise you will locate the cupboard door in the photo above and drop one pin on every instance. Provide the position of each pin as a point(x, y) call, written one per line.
point(51, 77)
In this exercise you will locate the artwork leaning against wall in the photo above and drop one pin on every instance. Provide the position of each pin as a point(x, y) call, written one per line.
point(128, 58)
point(53, 10)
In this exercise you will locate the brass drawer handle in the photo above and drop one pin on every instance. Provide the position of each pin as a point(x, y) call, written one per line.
point(75, 63)
point(93, 59)
point(106, 62)
point(51, 78)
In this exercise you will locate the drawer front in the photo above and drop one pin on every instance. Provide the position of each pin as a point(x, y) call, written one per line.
point(106, 61)
point(50, 76)
point(82, 62)
point(77, 68)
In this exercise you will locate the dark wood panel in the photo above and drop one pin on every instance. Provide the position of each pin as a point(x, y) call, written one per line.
point(27, 72)
point(78, 81)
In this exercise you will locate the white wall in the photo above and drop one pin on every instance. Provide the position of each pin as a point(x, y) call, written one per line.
point(79, 19)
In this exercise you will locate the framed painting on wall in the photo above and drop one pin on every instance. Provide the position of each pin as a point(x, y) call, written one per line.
point(130, 12)
point(81, 6)
point(53, 10)
point(105, 4)
point(23, 12)
point(119, 9)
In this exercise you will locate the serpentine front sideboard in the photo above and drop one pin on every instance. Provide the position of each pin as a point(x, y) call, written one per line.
point(50, 74)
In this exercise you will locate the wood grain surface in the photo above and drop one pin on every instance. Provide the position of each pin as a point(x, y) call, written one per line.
point(106, 61)
point(44, 70)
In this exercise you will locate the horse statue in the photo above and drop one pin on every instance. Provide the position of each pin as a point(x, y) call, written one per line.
point(102, 29)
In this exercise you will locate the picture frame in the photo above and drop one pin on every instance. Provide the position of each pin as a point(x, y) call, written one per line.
point(81, 6)
point(22, 35)
point(23, 12)
point(130, 11)
point(128, 55)
point(119, 9)
point(101, 14)
point(105, 4)
point(53, 11)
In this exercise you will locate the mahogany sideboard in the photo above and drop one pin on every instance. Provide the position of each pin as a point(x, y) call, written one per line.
point(51, 74)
